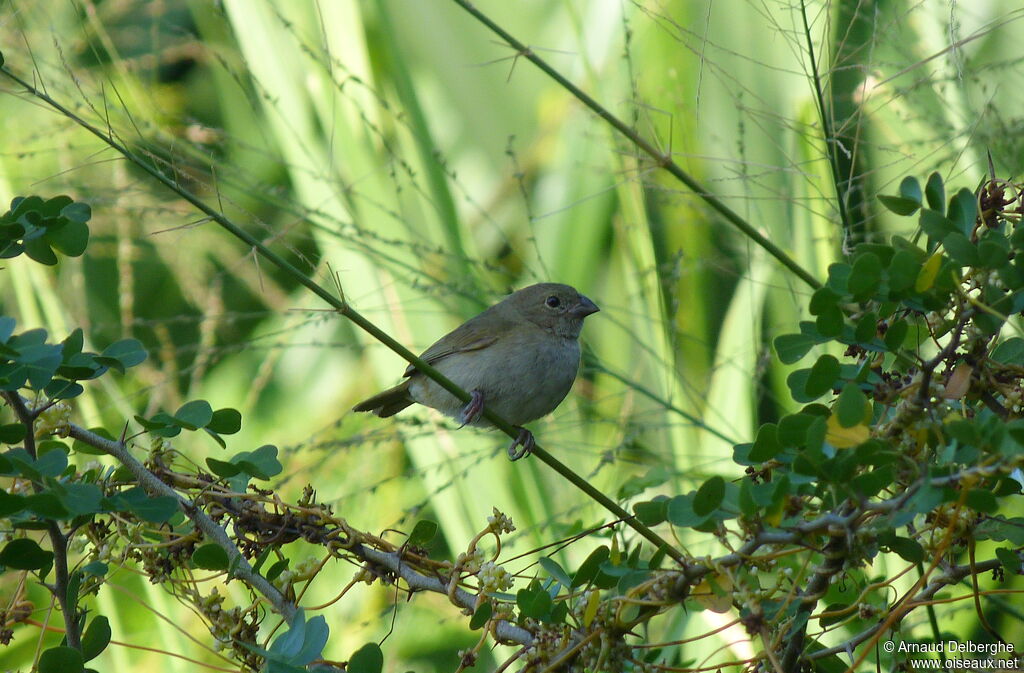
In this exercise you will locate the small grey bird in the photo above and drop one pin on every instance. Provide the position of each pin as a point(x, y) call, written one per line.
point(519, 358)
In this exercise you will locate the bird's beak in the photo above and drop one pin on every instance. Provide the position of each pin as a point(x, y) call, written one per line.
point(584, 308)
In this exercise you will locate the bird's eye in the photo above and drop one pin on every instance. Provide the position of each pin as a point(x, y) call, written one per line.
point(553, 301)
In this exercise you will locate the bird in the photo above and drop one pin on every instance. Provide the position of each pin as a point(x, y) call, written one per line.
point(518, 358)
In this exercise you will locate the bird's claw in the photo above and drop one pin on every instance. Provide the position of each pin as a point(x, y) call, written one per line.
point(471, 412)
point(526, 441)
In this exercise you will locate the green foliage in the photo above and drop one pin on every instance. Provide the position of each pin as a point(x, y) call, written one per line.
point(331, 167)
point(42, 228)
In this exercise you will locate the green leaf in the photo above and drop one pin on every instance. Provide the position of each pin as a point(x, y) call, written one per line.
point(867, 328)
point(766, 444)
point(870, 483)
point(481, 616)
point(61, 660)
point(936, 225)
point(261, 463)
point(907, 548)
point(73, 344)
point(96, 637)
point(865, 277)
point(11, 503)
point(135, 500)
point(824, 299)
point(935, 192)
point(899, 205)
point(903, 270)
point(552, 568)
point(276, 569)
point(302, 642)
point(210, 556)
point(651, 512)
point(793, 429)
point(709, 496)
point(850, 406)
point(637, 484)
point(12, 433)
point(1009, 352)
point(589, 568)
point(1000, 528)
point(830, 323)
point(963, 211)
point(1010, 560)
point(982, 500)
point(422, 533)
point(25, 554)
point(59, 389)
point(993, 250)
point(52, 462)
point(222, 468)
point(367, 659)
point(910, 189)
point(38, 250)
point(96, 568)
point(47, 505)
point(194, 415)
point(77, 212)
point(822, 377)
point(225, 421)
point(7, 325)
point(961, 249)
point(681, 512)
point(127, 352)
point(534, 602)
point(896, 334)
point(792, 347)
point(81, 498)
point(72, 239)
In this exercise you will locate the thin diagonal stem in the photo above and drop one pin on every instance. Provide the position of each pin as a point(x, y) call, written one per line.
point(340, 305)
point(662, 159)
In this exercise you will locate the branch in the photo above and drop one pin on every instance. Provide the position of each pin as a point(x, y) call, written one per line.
point(393, 561)
point(951, 576)
point(342, 306)
point(239, 565)
point(58, 540)
point(662, 159)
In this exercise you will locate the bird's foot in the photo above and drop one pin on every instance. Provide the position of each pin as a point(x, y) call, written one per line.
point(524, 440)
point(471, 412)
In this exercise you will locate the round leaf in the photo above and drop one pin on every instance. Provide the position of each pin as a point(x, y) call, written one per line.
point(210, 556)
point(709, 496)
point(194, 415)
point(25, 554)
point(822, 377)
point(61, 660)
point(367, 659)
point(850, 407)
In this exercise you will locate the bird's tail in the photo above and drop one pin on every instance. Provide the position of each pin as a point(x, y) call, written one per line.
point(388, 402)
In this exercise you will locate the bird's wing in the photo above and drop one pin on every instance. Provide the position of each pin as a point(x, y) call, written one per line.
point(472, 335)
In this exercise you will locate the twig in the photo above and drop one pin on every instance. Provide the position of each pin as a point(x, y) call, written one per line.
point(343, 308)
point(239, 565)
point(58, 540)
point(662, 159)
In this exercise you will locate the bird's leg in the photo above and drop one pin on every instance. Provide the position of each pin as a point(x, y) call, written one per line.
point(471, 412)
point(525, 440)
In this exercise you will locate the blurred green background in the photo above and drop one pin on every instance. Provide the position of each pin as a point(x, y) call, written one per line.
point(398, 149)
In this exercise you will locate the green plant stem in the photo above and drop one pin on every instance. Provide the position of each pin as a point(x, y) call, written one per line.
point(826, 127)
point(58, 540)
point(662, 159)
point(351, 314)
